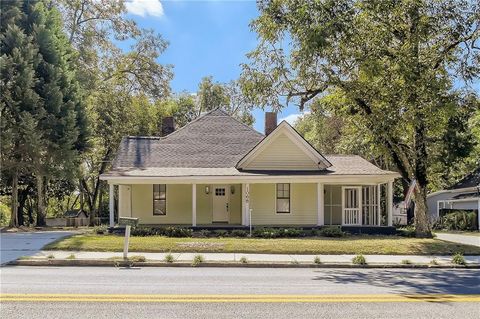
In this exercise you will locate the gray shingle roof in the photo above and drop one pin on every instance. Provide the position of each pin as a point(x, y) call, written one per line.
point(212, 145)
point(213, 140)
point(471, 180)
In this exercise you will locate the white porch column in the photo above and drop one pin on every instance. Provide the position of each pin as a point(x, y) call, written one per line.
point(320, 205)
point(194, 205)
point(111, 205)
point(245, 204)
point(390, 203)
point(379, 207)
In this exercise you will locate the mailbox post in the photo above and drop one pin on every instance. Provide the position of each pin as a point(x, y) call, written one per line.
point(128, 222)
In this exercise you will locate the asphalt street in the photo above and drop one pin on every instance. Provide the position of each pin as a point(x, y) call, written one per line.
point(15, 245)
point(88, 292)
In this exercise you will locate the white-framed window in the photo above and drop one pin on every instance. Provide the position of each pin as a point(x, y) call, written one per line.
point(283, 198)
point(160, 199)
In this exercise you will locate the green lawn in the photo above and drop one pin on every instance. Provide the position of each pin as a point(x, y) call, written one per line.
point(349, 245)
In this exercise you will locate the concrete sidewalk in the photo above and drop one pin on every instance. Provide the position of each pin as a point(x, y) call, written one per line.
point(274, 258)
point(459, 238)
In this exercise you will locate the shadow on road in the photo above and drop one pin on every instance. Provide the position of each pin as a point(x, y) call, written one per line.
point(434, 281)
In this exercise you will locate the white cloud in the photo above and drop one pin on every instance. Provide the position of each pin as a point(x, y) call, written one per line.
point(145, 7)
point(292, 118)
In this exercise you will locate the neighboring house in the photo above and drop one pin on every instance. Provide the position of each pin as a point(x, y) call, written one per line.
point(464, 195)
point(71, 218)
point(217, 171)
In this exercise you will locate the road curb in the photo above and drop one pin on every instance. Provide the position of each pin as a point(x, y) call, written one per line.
point(226, 264)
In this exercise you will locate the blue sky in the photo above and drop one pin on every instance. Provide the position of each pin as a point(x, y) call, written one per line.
point(206, 38)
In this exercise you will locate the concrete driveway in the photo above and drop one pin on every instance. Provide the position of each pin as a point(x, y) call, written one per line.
point(459, 238)
point(15, 245)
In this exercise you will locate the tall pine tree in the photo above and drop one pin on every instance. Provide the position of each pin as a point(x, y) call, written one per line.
point(43, 108)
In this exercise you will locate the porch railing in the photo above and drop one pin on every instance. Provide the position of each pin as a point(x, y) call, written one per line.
point(352, 216)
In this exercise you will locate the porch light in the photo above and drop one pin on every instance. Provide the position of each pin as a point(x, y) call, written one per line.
point(207, 190)
point(232, 189)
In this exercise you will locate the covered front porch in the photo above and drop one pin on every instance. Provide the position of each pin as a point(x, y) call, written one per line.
point(283, 202)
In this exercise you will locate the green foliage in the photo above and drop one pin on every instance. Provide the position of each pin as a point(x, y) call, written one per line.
point(220, 233)
point(51, 256)
point(71, 257)
point(406, 262)
point(406, 231)
point(137, 259)
point(277, 232)
point(169, 231)
point(458, 259)
point(390, 70)
point(359, 260)
point(238, 233)
point(243, 260)
point(204, 233)
point(459, 220)
point(169, 258)
point(331, 231)
point(100, 230)
point(197, 260)
point(4, 214)
point(317, 260)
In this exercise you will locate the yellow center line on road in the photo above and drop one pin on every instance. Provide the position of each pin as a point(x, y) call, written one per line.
point(154, 298)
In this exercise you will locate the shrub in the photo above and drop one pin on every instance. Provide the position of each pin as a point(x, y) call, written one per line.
point(169, 258)
point(359, 260)
point(197, 260)
point(177, 232)
point(243, 260)
point(457, 220)
point(138, 259)
point(317, 260)
point(170, 231)
point(266, 232)
point(407, 231)
point(204, 233)
point(331, 231)
point(239, 233)
point(50, 256)
point(220, 233)
point(458, 259)
point(406, 262)
point(100, 230)
point(71, 257)
point(290, 232)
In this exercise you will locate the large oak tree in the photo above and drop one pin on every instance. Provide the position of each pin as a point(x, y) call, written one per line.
point(396, 68)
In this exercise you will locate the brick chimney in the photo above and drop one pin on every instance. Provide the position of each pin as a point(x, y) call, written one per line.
point(168, 125)
point(270, 122)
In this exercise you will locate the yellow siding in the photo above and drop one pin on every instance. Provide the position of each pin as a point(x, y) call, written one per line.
point(179, 204)
point(282, 153)
point(236, 205)
point(124, 208)
point(204, 205)
point(303, 205)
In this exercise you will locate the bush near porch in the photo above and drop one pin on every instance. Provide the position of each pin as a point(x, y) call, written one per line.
point(367, 245)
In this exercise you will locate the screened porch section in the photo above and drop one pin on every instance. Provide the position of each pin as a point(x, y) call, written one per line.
point(355, 205)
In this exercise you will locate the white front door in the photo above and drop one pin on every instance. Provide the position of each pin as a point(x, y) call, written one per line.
point(220, 203)
point(351, 205)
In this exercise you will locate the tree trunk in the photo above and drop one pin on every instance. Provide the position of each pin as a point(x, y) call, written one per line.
point(422, 223)
point(40, 201)
point(14, 208)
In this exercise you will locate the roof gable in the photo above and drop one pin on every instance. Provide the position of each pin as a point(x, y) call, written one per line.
point(213, 140)
point(471, 180)
point(283, 149)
